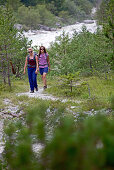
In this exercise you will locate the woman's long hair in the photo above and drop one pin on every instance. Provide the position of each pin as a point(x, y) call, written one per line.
point(41, 48)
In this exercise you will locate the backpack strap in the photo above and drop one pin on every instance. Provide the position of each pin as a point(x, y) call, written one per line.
point(28, 58)
point(46, 55)
point(33, 58)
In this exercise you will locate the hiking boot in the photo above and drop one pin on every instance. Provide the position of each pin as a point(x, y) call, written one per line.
point(36, 89)
point(45, 87)
point(32, 91)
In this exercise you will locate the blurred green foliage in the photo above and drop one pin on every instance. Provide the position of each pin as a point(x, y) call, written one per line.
point(74, 143)
point(54, 11)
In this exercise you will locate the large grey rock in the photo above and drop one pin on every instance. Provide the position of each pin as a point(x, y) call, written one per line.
point(88, 21)
point(46, 28)
point(18, 26)
point(58, 25)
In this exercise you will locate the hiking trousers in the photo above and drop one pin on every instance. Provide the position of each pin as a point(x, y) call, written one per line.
point(32, 78)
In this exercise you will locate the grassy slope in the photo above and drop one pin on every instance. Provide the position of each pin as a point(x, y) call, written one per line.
point(101, 91)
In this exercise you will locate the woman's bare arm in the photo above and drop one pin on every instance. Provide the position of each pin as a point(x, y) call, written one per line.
point(48, 62)
point(37, 66)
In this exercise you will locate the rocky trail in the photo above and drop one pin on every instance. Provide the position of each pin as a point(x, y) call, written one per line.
point(12, 111)
point(41, 94)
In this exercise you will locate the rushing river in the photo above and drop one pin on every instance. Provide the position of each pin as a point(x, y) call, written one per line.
point(41, 37)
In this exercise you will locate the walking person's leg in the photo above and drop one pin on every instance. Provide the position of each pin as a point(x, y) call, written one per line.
point(30, 79)
point(34, 75)
point(41, 72)
point(44, 80)
point(45, 71)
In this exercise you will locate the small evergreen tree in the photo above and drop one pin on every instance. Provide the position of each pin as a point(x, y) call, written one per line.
point(12, 44)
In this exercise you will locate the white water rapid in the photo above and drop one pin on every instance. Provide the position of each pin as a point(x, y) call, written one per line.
point(41, 37)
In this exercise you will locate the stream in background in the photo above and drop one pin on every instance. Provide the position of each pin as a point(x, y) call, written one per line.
point(41, 37)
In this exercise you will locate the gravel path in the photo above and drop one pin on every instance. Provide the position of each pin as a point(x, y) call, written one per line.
point(12, 110)
point(41, 94)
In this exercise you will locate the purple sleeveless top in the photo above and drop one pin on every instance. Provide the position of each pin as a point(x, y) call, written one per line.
point(43, 60)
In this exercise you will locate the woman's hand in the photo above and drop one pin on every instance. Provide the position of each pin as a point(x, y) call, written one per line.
point(24, 72)
point(36, 72)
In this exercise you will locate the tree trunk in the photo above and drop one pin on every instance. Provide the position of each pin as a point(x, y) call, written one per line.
point(90, 64)
point(13, 70)
point(3, 69)
point(8, 68)
point(90, 61)
point(17, 73)
point(3, 74)
point(71, 86)
point(9, 82)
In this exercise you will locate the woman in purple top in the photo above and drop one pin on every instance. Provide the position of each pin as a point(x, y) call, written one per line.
point(43, 59)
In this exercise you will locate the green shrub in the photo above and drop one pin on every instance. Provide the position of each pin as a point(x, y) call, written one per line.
point(89, 146)
point(84, 144)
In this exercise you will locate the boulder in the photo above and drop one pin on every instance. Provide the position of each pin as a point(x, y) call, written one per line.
point(46, 28)
point(58, 25)
point(18, 26)
point(88, 21)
